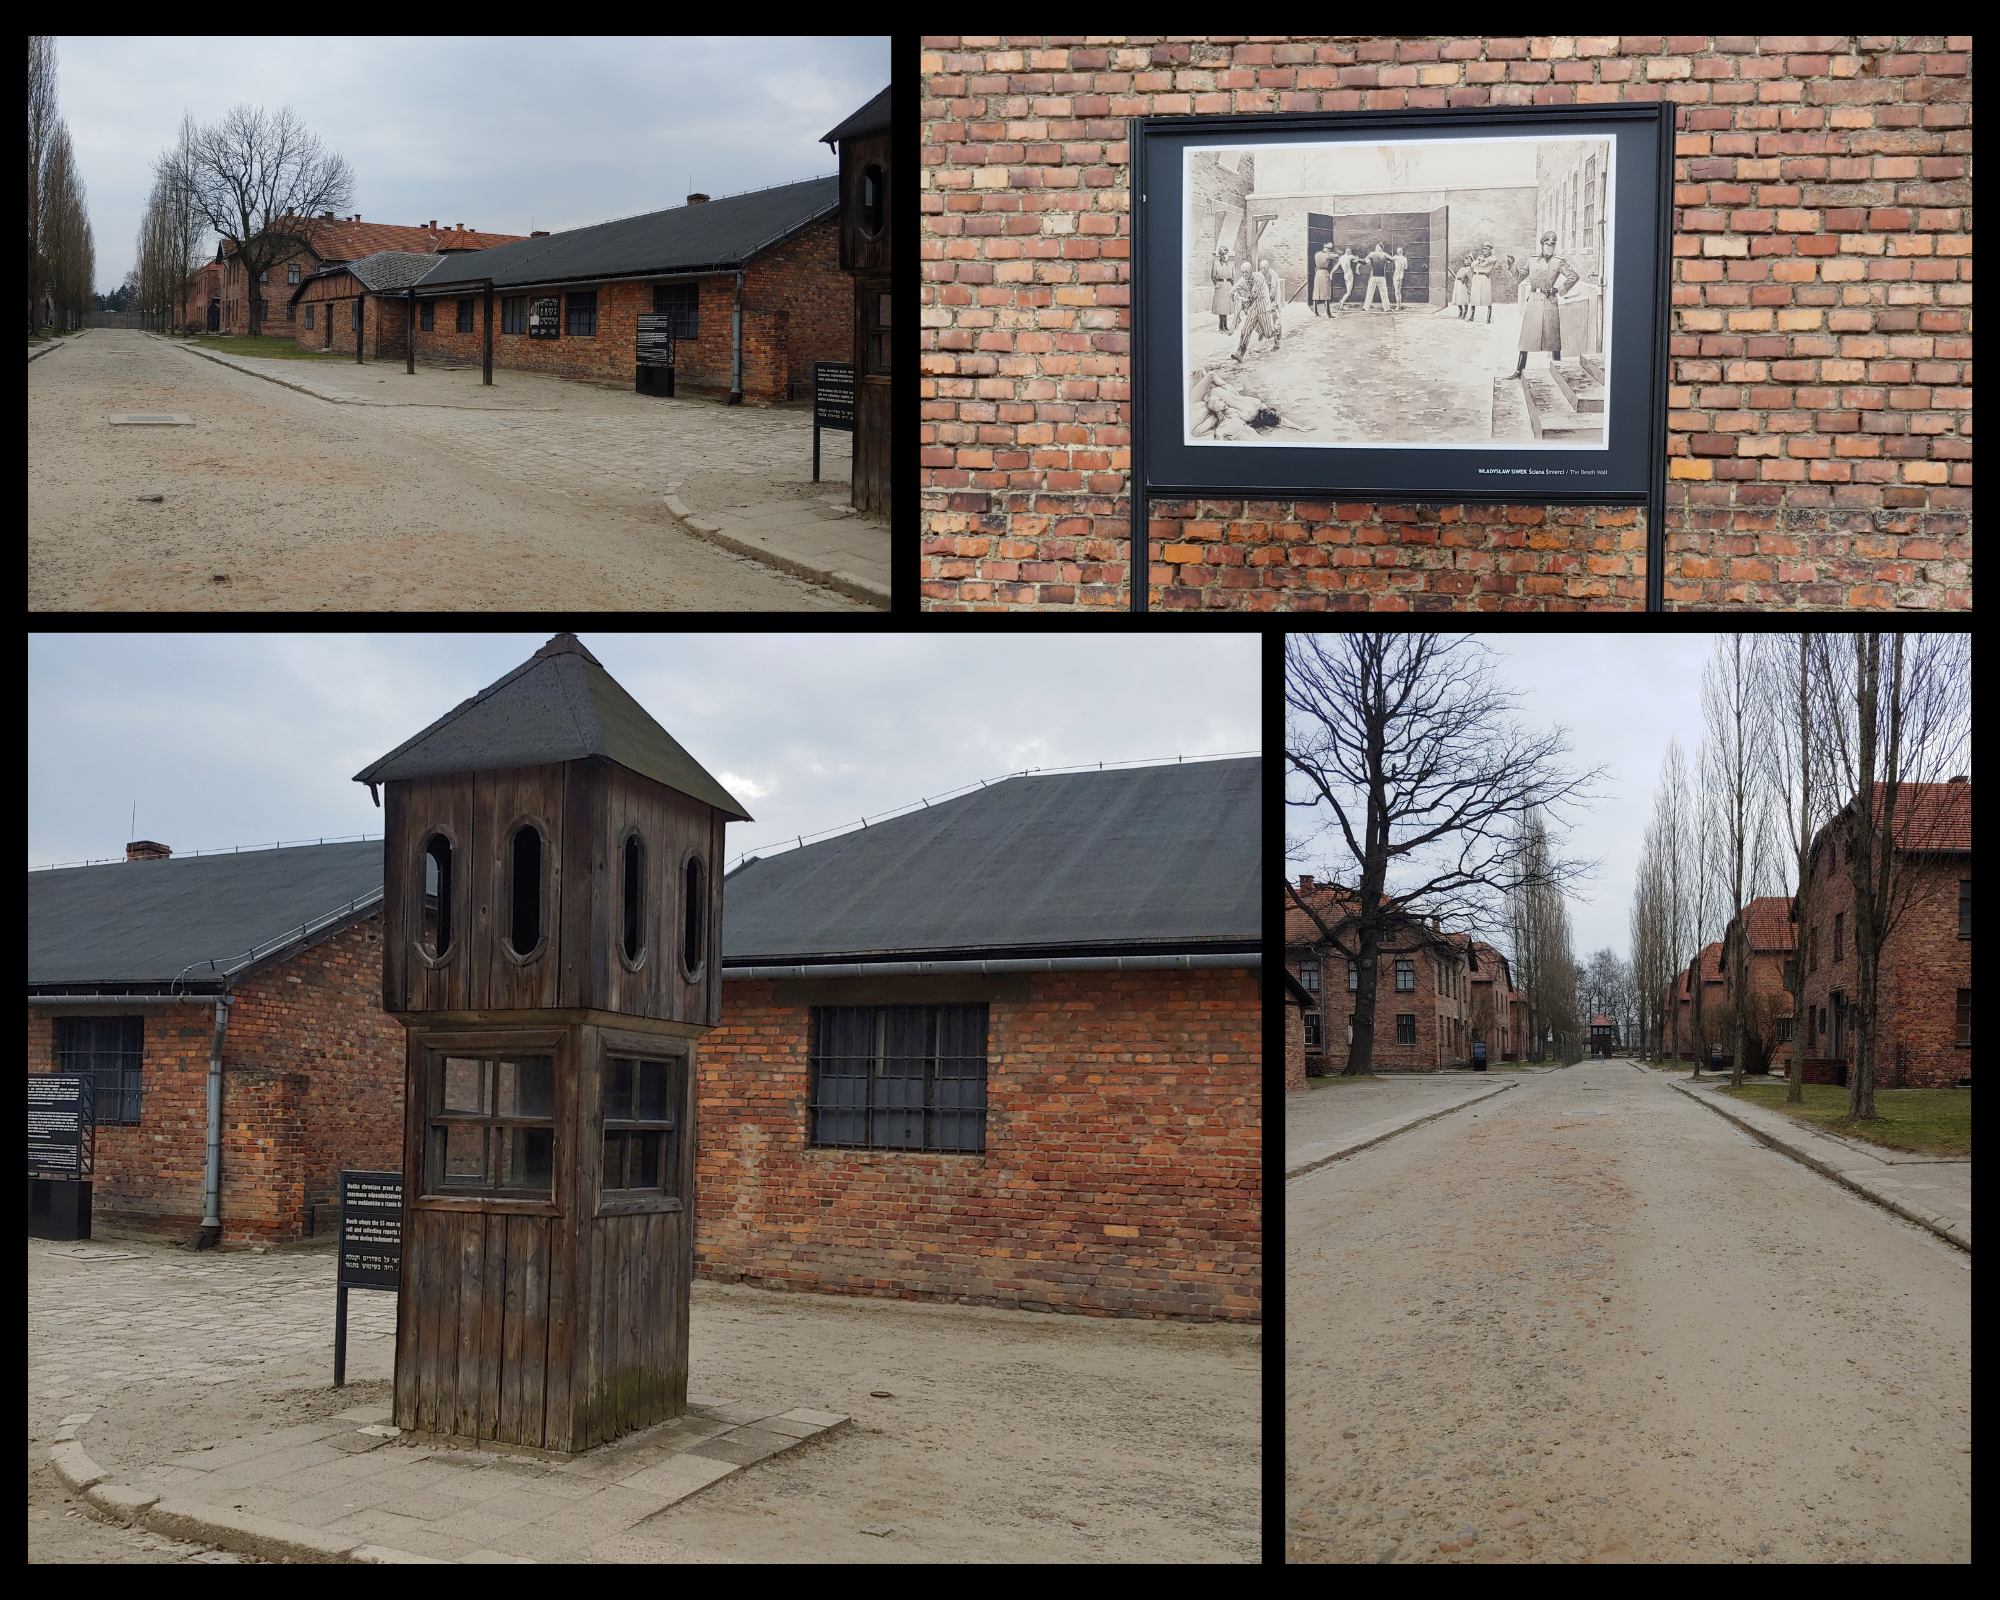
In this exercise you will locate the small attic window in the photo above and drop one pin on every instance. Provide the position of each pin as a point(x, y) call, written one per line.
point(694, 916)
point(437, 896)
point(524, 921)
point(634, 899)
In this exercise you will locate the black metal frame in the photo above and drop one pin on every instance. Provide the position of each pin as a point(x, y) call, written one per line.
point(880, 1120)
point(1414, 476)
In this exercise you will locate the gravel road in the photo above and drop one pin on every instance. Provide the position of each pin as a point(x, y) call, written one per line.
point(303, 505)
point(1591, 1321)
point(998, 1435)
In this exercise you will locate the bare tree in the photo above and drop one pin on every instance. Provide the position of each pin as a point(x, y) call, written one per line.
point(1407, 765)
point(68, 252)
point(261, 180)
point(183, 226)
point(1894, 723)
point(1652, 954)
point(1733, 774)
point(1673, 825)
point(1544, 964)
point(42, 119)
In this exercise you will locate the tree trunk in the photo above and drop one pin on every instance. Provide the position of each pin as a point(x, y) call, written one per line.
point(1795, 1089)
point(1361, 1053)
point(1861, 872)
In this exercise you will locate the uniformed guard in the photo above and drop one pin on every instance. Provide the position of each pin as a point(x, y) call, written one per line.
point(1221, 298)
point(1541, 323)
point(1482, 282)
point(1322, 289)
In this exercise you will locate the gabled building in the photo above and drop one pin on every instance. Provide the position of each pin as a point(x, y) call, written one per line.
point(1698, 1026)
point(1423, 999)
point(1924, 992)
point(752, 284)
point(334, 240)
point(1004, 1050)
point(364, 300)
point(1495, 1018)
point(1766, 924)
point(258, 973)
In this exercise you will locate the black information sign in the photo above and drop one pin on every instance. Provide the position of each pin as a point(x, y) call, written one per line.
point(545, 317)
point(656, 339)
point(833, 395)
point(62, 1116)
point(371, 1229)
point(833, 401)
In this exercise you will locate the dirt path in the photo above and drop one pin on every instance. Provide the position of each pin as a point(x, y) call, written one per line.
point(1001, 1435)
point(1592, 1322)
point(304, 505)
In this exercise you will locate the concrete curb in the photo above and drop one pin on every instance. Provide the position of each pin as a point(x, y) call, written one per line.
point(1950, 1229)
point(1359, 1144)
point(847, 583)
point(56, 344)
point(222, 1526)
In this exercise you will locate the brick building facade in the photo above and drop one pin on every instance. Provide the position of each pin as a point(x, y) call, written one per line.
point(1819, 396)
point(1426, 1014)
point(1768, 1014)
point(1924, 975)
point(797, 305)
point(1697, 1026)
point(312, 1068)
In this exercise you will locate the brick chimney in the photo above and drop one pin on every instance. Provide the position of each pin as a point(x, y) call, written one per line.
point(432, 223)
point(539, 233)
point(1305, 884)
point(146, 850)
point(461, 227)
point(697, 199)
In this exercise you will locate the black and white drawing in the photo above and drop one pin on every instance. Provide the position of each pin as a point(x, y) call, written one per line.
point(1421, 293)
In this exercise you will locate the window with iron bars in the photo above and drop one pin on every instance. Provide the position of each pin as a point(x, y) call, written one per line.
point(582, 315)
point(427, 316)
point(899, 1077)
point(465, 316)
point(681, 301)
point(514, 314)
point(111, 1047)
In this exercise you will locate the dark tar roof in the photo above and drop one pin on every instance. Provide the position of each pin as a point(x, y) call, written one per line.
point(1156, 858)
point(383, 272)
point(868, 119)
point(715, 234)
point(150, 922)
point(559, 705)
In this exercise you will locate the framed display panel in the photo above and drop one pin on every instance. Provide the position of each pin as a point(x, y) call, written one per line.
point(1369, 306)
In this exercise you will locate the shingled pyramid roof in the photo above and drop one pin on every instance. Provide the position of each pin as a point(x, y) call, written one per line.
point(559, 705)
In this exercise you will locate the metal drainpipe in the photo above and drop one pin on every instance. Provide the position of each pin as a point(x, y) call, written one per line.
point(736, 378)
point(210, 1233)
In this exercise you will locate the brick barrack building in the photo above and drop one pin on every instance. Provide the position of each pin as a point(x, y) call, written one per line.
point(753, 282)
point(1006, 1050)
point(1821, 344)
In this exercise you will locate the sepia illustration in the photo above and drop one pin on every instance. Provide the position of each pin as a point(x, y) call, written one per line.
point(1440, 293)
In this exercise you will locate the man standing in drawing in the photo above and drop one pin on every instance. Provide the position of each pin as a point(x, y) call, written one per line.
point(1402, 263)
point(1220, 275)
point(1346, 264)
point(1378, 277)
point(1253, 309)
point(1541, 325)
point(1322, 288)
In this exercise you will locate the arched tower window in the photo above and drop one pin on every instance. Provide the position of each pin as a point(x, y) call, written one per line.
point(524, 921)
point(635, 897)
point(437, 896)
point(694, 915)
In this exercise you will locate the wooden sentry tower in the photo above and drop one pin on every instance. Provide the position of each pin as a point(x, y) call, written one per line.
point(552, 901)
point(866, 224)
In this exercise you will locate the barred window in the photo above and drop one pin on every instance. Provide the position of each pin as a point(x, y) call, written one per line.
point(111, 1047)
point(1406, 975)
point(1784, 1030)
point(357, 314)
point(1965, 908)
point(465, 316)
point(291, 312)
point(1964, 1028)
point(427, 318)
point(1313, 1039)
point(514, 314)
point(1406, 1028)
point(309, 316)
point(681, 301)
point(899, 1077)
point(492, 1126)
point(582, 314)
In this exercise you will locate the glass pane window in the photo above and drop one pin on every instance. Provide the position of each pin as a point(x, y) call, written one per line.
point(641, 1123)
point(899, 1077)
point(465, 316)
point(1406, 975)
point(681, 301)
point(514, 314)
point(492, 1126)
point(1406, 1029)
point(427, 316)
point(582, 315)
point(1309, 977)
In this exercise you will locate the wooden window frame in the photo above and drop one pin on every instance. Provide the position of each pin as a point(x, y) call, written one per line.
point(632, 835)
point(467, 310)
point(514, 313)
point(309, 318)
point(506, 941)
point(486, 1050)
point(1406, 969)
point(1411, 1018)
point(612, 1044)
point(494, 1042)
point(1315, 1034)
point(420, 887)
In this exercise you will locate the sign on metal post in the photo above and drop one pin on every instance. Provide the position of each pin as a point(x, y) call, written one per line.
point(371, 1246)
point(833, 401)
point(62, 1123)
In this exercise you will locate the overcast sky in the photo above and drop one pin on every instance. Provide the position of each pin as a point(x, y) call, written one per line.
point(505, 135)
point(228, 739)
point(1621, 697)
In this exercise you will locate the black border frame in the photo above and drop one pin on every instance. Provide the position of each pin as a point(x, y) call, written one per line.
point(1661, 115)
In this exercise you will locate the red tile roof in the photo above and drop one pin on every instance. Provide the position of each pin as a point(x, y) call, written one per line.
point(1769, 918)
point(339, 239)
point(1934, 816)
point(1333, 903)
point(1711, 969)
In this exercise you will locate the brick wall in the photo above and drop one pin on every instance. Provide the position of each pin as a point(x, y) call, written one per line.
point(1442, 1013)
point(797, 308)
point(1923, 966)
point(1121, 1173)
point(312, 1083)
point(1295, 1046)
point(1821, 341)
point(384, 317)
